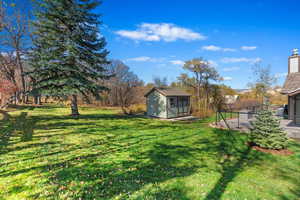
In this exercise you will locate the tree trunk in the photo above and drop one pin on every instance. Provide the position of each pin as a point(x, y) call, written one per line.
point(20, 65)
point(39, 101)
point(74, 106)
point(17, 98)
point(26, 99)
point(35, 99)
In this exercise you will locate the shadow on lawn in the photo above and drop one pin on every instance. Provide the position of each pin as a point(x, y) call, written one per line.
point(90, 176)
point(234, 156)
point(6, 129)
point(15, 126)
point(291, 175)
point(94, 180)
point(126, 122)
point(288, 174)
point(25, 126)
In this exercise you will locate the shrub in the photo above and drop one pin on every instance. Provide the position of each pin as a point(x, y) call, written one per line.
point(201, 114)
point(135, 109)
point(266, 131)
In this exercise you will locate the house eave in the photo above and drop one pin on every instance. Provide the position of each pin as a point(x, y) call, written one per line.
point(291, 93)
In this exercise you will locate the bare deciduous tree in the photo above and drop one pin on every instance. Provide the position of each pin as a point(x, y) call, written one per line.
point(160, 82)
point(15, 37)
point(8, 67)
point(124, 85)
point(263, 80)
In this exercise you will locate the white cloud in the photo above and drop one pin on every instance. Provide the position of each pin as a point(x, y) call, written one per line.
point(228, 50)
point(140, 59)
point(217, 48)
point(4, 53)
point(211, 48)
point(162, 31)
point(242, 59)
point(227, 78)
point(280, 75)
point(177, 62)
point(248, 48)
point(145, 59)
point(230, 69)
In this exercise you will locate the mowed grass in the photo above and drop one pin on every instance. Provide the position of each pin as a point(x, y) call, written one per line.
point(46, 154)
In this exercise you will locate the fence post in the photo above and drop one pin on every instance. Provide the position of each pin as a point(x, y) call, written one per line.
point(238, 119)
point(216, 118)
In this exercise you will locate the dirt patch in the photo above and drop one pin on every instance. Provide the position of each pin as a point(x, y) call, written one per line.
point(296, 139)
point(282, 152)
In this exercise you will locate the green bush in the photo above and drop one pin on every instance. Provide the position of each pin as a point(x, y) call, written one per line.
point(266, 131)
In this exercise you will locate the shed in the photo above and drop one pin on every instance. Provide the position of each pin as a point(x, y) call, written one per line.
point(168, 102)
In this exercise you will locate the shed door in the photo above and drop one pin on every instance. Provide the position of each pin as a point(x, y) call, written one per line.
point(172, 107)
point(183, 105)
point(297, 109)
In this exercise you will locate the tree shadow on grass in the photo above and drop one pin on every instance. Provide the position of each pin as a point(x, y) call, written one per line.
point(6, 130)
point(234, 157)
point(15, 126)
point(25, 126)
point(174, 192)
point(292, 176)
point(123, 178)
point(90, 117)
point(93, 123)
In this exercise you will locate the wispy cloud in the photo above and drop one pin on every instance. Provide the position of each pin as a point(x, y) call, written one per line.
point(217, 48)
point(248, 48)
point(160, 32)
point(139, 59)
point(211, 48)
point(227, 78)
point(229, 49)
point(177, 62)
point(230, 69)
point(241, 59)
point(145, 59)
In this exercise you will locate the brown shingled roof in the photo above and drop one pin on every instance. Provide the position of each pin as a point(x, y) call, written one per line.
point(292, 83)
point(169, 92)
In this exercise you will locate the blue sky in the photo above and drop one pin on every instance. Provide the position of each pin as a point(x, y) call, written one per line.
point(154, 37)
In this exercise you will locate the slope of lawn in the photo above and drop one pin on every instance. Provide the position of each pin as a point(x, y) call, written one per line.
point(45, 154)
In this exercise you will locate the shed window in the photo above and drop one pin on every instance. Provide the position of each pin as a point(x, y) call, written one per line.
point(185, 101)
point(172, 102)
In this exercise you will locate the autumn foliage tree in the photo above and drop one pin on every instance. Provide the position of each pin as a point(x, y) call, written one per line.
point(7, 88)
point(202, 76)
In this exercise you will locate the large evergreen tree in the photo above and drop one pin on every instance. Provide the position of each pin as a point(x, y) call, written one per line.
point(69, 51)
point(267, 132)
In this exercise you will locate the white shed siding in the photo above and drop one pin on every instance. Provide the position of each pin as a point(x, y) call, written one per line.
point(156, 105)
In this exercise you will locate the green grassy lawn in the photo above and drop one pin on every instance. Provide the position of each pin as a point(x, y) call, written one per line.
point(45, 154)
